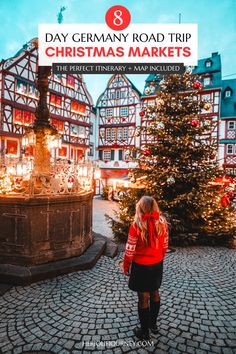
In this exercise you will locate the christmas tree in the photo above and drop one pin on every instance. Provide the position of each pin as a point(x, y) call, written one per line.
point(178, 165)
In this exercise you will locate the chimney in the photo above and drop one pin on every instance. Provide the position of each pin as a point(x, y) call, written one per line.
point(214, 54)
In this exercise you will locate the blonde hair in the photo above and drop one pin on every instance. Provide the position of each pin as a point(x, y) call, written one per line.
point(147, 205)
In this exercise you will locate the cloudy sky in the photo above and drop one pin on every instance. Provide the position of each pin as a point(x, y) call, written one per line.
point(216, 20)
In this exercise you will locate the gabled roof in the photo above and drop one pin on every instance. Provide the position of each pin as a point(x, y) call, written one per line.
point(110, 80)
point(214, 70)
point(215, 61)
point(228, 104)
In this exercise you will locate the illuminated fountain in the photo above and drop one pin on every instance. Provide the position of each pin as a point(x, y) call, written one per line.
point(45, 205)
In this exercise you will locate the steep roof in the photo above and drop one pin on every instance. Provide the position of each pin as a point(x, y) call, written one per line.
point(109, 81)
point(228, 104)
point(213, 70)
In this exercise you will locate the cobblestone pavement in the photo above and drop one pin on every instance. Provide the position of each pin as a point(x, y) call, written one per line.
point(64, 314)
point(100, 208)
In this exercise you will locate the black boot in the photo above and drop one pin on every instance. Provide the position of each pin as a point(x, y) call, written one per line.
point(143, 332)
point(154, 311)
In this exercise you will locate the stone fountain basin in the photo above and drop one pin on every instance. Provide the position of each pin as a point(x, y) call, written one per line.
point(38, 230)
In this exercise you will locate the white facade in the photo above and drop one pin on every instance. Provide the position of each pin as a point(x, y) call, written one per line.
point(118, 110)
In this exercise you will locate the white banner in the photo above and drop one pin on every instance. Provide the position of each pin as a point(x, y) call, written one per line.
point(97, 43)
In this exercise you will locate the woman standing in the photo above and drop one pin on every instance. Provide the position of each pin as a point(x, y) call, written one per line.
point(145, 250)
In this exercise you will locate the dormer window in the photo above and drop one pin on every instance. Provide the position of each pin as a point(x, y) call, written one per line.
point(228, 93)
point(208, 63)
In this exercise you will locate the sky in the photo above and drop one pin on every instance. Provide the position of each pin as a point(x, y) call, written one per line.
point(216, 21)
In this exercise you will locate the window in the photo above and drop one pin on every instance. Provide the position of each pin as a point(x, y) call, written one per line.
point(206, 81)
point(70, 81)
point(206, 97)
point(120, 155)
point(74, 131)
point(91, 128)
point(12, 147)
point(91, 149)
point(112, 95)
point(74, 106)
point(113, 134)
point(22, 117)
point(120, 134)
point(78, 108)
point(107, 155)
point(117, 93)
point(55, 100)
point(124, 111)
point(21, 87)
point(32, 92)
point(62, 152)
point(25, 88)
point(125, 133)
point(231, 125)
point(102, 133)
point(227, 93)
point(122, 95)
point(229, 149)
point(109, 112)
point(108, 134)
point(58, 124)
point(208, 63)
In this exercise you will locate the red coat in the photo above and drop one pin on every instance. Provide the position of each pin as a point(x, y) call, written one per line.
point(136, 250)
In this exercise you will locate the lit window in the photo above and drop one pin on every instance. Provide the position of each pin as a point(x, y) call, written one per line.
point(231, 125)
point(107, 155)
point(109, 112)
point(55, 100)
point(12, 147)
point(22, 117)
point(124, 111)
point(206, 81)
point(227, 93)
point(229, 149)
point(70, 81)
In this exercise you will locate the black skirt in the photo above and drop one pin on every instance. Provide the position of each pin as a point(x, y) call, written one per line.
point(145, 277)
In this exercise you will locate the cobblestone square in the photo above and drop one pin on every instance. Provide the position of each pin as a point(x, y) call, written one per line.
point(94, 310)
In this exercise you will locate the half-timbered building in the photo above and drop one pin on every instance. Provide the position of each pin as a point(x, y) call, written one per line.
point(117, 116)
point(209, 71)
point(227, 142)
point(69, 102)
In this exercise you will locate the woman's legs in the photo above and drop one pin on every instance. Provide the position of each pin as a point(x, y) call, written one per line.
point(143, 312)
point(154, 307)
